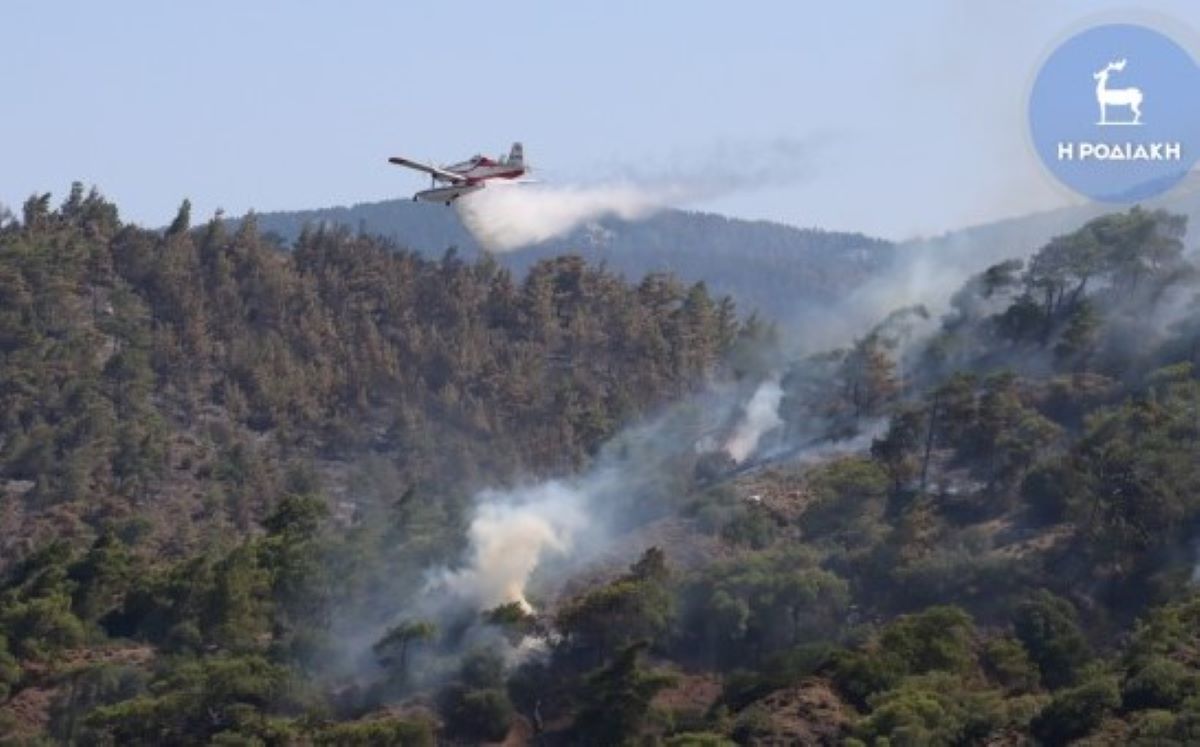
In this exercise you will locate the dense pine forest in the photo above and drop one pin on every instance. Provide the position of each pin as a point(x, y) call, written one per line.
point(239, 480)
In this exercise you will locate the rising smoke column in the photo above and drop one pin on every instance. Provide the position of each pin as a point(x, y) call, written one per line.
point(510, 534)
point(761, 416)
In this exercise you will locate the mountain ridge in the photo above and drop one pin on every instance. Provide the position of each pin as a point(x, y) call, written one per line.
point(752, 260)
point(769, 267)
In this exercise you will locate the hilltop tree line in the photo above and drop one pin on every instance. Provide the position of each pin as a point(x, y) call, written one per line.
point(772, 268)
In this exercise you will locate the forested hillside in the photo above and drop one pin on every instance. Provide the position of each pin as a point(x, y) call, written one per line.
point(245, 488)
point(138, 363)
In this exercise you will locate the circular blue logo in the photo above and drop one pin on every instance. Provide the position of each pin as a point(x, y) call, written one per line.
point(1115, 113)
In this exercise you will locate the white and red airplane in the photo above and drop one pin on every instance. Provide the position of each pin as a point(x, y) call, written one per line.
point(466, 177)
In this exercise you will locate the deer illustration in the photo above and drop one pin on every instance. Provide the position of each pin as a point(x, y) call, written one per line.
point(1106, 97)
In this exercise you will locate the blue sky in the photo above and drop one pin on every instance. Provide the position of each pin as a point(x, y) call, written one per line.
point(910, 116)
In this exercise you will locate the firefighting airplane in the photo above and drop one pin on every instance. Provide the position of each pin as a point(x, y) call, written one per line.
point(466, 177)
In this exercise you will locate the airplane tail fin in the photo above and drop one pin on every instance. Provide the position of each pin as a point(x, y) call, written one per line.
point(517, 155)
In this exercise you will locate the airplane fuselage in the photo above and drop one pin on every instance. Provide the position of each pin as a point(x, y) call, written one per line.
point(448, 183)
point(482, 169)
point(476, 171)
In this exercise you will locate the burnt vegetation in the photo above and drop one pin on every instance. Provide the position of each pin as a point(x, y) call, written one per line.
point(217, 451)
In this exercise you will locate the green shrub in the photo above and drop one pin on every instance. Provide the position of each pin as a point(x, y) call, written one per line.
point(861, 674)
point(940, 708)
point(382, 733)
point(847, 495)
point(1047, 626)
point(1157, 683)
point(1008, 664)
point(936, 639)
point(1153, 728)
point(1075, 712)
point(483, 714)
point(751, 724)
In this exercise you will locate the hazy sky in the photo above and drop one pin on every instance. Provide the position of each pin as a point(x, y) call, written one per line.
point(899, 117)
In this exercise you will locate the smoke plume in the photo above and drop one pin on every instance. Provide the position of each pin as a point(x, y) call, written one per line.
point(507, 217)
point(551, 529)
point(510, 534)
point(761, 416)
point(922, 274)
point(503, 217)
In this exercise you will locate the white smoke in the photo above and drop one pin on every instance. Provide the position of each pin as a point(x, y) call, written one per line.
point(925, 273)
point(559, 525)
point(510, 534)
point(539, 534)
point(506, 216)
point(761, 416)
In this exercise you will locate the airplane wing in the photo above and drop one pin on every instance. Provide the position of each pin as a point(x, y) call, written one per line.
point(448, 176)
